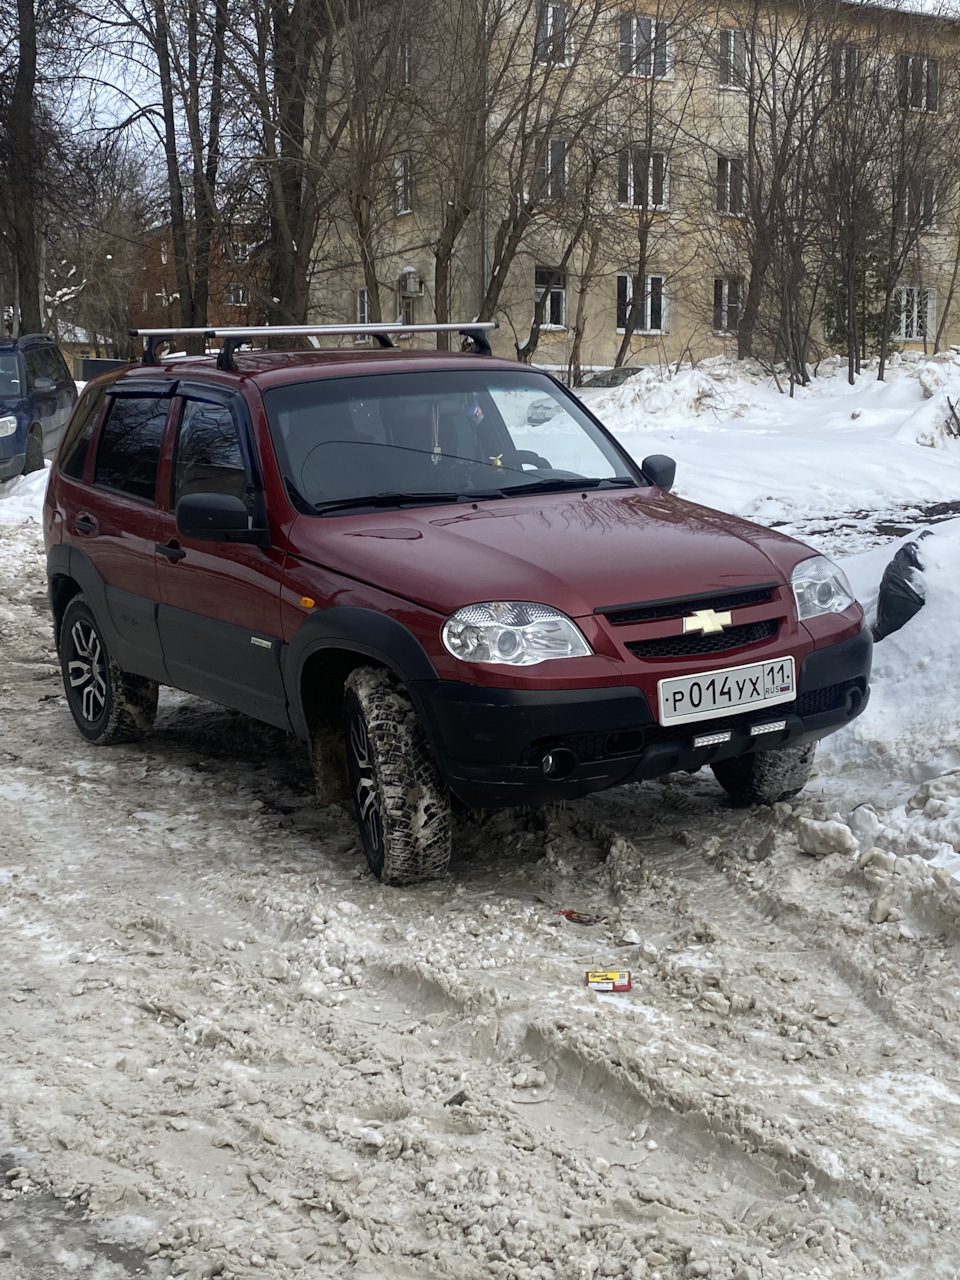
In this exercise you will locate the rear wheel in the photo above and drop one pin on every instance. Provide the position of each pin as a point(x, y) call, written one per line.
point(767, 776)
point(401, 803)
point(33, 461)
point(107, 704)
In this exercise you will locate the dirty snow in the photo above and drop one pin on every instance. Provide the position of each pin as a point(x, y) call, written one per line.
point(226, 1051)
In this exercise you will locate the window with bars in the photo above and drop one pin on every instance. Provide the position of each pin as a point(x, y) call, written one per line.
point(733, 58)
point(552, 168)
point(918, 82)
point(844, 65)
point(917, 204)
point(726, 304)
point(643, 46)
point(916, 312)
point(403, 182)
point(729, 185)
point(653, 306)
point(552, 283)
point(642, 179)
point(553, 43)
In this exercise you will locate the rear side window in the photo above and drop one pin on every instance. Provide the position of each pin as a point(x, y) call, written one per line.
point(129, 451)
point(209, 459)
point(76, 442)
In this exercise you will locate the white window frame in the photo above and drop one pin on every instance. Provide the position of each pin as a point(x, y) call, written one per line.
point(628, 165)
point(164, 253)
point(406, 62)
point(725, 187)
point(911, 302)
point(918, 204)
point(626, 289)
point(145, 301)
point(403, 183)
point(552, 168)
point(363, 311)
point(552, 15)
point(639, 54)
point(406, 310)
point(733, 58)
point(916, 87)
point(236, 294)
point(725, 328)
point(844, 71)
point(558, 293)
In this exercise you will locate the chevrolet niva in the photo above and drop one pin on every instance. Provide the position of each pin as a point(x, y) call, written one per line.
point(376, 550)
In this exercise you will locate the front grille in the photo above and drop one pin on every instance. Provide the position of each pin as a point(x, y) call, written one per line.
point(622, 615)
point(719, 642)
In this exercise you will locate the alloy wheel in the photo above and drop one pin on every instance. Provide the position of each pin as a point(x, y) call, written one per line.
point(86, 668)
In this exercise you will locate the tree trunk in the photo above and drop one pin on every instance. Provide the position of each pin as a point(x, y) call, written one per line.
point(23, 162)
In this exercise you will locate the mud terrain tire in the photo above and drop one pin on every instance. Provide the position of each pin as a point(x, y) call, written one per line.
point(107, 704)
point(767, 776)
point(401, 803)
point(33, 458)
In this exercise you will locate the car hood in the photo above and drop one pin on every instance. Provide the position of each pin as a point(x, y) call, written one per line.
point(577, 553)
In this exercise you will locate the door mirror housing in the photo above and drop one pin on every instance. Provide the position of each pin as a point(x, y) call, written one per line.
point(44, 385)
point(217, 517)
point(660, 470)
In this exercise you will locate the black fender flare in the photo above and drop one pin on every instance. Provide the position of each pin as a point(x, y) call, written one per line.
point(364, 631)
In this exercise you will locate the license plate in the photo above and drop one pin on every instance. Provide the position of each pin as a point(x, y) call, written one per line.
point(684, 699)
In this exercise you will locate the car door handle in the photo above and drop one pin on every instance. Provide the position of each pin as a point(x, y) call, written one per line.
point(85, 524)
point(171, 550)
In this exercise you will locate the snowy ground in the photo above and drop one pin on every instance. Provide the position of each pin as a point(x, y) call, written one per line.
point(226, 1050)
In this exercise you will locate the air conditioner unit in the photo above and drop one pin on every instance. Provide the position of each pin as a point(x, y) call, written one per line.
point(411, 286)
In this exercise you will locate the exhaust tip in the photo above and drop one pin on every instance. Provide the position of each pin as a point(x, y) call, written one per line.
point(559, 763)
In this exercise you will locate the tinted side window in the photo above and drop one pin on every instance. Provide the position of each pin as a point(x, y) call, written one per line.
point(129, 449)
point(208, 459)
point(34, 362)
point(76, 442)
point(58, 366)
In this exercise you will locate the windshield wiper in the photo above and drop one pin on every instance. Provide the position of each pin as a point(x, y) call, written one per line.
point(391, 499)
point(559, 483)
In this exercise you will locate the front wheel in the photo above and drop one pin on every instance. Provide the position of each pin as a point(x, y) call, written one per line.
point(401, 803)
point(767, 776)
point(107, 704)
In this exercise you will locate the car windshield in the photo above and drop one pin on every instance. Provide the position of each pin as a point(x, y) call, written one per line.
point(439, 436)
point(9, 376)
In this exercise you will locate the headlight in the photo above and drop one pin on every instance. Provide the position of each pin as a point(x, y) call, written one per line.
point(513, 632)
point(820, 587)
point(7, 426)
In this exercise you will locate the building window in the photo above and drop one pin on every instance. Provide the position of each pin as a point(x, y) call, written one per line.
point(407, 311)
point(236, 294)
point(729, 185)
point(733, 58)
point(406, 63)
point(726, 304)
point(844, 63)
point(146, 302)
point(551, 281)
point(652, 313)
point(917, 204)
point(918, 81)
point(363, 306)
point(916, 313)
point(163, 252)
point(552, 168)
point(553, 34)
point(240, 250)
point(403, 179)
point(643, 46)
point(642, 181)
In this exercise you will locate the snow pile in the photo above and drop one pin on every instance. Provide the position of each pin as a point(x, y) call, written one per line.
point(22, 498)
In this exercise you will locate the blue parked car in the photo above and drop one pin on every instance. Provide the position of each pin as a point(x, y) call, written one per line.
point(37, 394)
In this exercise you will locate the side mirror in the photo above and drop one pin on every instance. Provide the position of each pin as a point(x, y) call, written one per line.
point(44, 384)
point(659, 470)
point(217, 517)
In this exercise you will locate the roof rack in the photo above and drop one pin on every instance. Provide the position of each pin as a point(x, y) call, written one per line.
point(235, 336)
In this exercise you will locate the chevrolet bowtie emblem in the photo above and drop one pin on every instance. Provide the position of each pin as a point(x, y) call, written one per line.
point(706, 621)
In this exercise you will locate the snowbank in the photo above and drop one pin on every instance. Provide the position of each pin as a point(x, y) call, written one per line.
point(21, 499)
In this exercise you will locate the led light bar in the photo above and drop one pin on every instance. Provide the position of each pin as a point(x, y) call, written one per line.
point(712, 739)
point(772, 726)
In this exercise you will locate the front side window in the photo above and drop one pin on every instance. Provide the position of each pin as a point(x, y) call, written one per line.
point(729, 185)
point(550, 285)
point(918, 82)
point(33, 360)
point(10, 376)
point(396, 438)
point(553, 33)
point(733, 58)
point(916, 313)
point(643, 46)
point(726, 304)
point(642, 179)
point(129, 450)
point(208, 457)
point(651, 314)
point(72, 459)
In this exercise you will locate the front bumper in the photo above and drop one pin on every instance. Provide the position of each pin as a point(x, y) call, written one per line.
point(12, 466)
point(491, 744)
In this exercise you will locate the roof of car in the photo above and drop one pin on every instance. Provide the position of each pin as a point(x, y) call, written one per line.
point(273, 368)
point(25, 340)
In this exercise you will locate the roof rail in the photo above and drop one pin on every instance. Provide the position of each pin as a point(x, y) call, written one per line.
point(235, 336)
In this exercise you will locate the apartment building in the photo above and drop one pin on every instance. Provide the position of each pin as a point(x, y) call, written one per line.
point(620, 182)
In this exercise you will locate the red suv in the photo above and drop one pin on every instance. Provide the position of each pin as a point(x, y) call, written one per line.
point(379, 551)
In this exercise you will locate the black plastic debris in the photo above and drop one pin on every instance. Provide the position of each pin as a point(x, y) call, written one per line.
point(901, 589)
